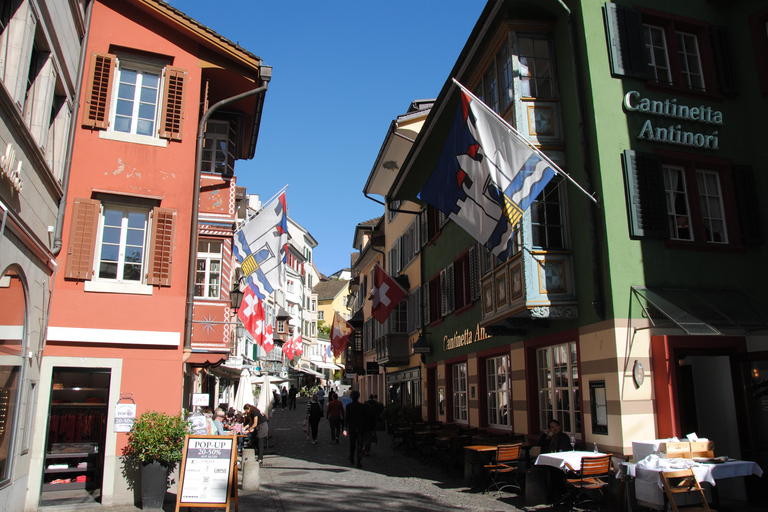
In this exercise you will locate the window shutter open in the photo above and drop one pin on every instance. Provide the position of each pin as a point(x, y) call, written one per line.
point(423, 227)
point(425, 303)
point(721, 51)
point(443, 293)
point(99, 91)
point(474, 271)
point(81, 246)
point(747, 205)
point(450, 289)
point(160, 261)
point(646, 202)
point(172, 121)
point(626, 48)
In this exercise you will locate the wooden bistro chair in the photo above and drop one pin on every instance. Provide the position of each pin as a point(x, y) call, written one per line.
point(506, 464)
point(684, 482)
point(592, 476)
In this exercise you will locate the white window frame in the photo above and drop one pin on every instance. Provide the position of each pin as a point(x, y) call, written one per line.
point(708, 200)
point(209, 258)
point(661, 70)
point(688, 53)
point(498, 385)
point(121, 250)
point(460, 396)
point(557, 378)
point(215, 138)
point(672, 196)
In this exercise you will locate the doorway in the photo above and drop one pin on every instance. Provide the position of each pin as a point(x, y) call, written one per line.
point(73, 468)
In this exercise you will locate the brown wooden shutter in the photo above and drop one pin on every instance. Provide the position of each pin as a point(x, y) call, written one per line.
point(99, 92)
point(231, 148)
point(81, 246)
point(172, 121)
point(161, 249)
point(646, 196)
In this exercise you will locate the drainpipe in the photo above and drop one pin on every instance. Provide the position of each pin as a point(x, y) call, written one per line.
point(196, 206)
point(57, 242)
point(598, 302)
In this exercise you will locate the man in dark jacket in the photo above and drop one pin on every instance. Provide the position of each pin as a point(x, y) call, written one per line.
point(372, 416)
point(356, 425)
point(292, 397)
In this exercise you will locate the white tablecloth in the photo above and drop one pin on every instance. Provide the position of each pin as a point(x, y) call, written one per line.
point(648, 488)
point(559, 459)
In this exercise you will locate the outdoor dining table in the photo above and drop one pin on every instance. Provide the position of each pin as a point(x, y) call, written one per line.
point(648, 490)
point(559, 459)
point(475, 457)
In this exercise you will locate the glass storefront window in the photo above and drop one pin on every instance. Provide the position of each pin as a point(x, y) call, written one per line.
point(558, 384)
point(12, 328)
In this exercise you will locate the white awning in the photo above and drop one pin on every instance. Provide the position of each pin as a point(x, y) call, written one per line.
point(306, 370)
point(326, 366)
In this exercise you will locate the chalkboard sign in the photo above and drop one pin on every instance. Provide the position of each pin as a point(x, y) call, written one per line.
point(208, 475)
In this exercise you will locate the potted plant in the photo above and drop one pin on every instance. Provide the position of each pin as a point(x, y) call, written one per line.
point(156, 440)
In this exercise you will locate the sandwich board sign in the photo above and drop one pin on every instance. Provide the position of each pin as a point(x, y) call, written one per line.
point(208, 474)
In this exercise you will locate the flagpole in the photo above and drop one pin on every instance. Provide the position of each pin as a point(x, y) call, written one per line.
point(260, 208)
point(514, 131)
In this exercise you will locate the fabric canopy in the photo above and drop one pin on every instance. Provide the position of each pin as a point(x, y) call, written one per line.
point(244, 393)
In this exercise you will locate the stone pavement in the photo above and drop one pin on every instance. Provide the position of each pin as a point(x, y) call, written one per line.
point(298, 476)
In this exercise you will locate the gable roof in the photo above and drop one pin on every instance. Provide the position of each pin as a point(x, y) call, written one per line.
point(329, 290)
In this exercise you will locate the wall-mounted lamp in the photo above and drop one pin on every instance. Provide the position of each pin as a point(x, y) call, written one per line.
point(236, 297)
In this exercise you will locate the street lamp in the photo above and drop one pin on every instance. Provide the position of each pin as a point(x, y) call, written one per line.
point(236, 297)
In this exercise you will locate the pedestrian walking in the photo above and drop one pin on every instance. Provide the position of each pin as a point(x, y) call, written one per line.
point(292, 397)
point(314, 414)
point(345, 400)
point(321, 396)
point(284, 397)
point(356, 424)
point(335, 416)
point(371, 418)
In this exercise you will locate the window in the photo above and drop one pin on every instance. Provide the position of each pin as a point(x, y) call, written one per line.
point(208, 276)
point(677, 203)
point(462, 281)
point(108, 242)
point(499, 398)
point(558, 384)
point(684, 200)
point(758, 26)
point(547, 229)
point(321, 315)
point(136, 100)
point(686, 54)
point(711, 202)
point(135, 97)
point(215, 147)
point(289, 286)
point(460, 401)
point(435, 221)
point(536, 77)
point(121, 246)
point(496, 88)
point(398, 318)
point(281, 326)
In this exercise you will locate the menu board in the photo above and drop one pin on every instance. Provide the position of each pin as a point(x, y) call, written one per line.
point(208, 471)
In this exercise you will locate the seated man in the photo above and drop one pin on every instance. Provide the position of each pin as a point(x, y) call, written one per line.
point(554, 439)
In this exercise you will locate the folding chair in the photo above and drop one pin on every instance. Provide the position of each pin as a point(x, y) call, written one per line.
point(507, 461)
point(684, 482)
point(591, 476)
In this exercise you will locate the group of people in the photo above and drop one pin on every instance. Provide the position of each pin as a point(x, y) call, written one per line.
point(285, 397)
point(357, 419)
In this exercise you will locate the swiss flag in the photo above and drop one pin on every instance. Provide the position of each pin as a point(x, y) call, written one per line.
point(251, 313)
point(340, 333)
point(298, 344)
point(269, 342)
point(288, 349)
point(387, 294)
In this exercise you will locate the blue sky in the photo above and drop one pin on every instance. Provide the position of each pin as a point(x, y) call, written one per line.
point(342, 71)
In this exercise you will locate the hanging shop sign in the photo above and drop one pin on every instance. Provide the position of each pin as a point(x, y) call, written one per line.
point(11, 168)
point(674, 133)
point(125, 414)
point(466, 338)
